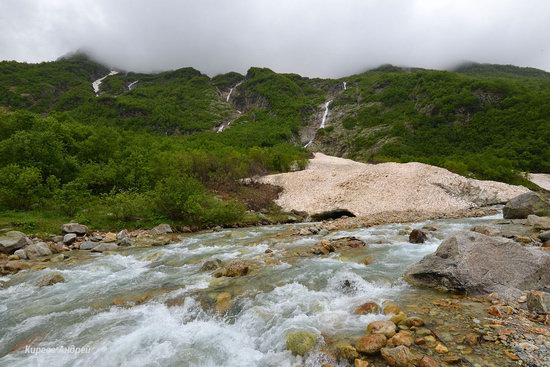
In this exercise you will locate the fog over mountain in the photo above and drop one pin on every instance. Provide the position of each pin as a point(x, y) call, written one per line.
point(328, 38)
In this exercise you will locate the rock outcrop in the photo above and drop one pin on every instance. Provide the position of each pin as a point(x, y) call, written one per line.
point(526, 204)
point(473, 263)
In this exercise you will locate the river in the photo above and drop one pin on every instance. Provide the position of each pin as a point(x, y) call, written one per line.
point(155, 307)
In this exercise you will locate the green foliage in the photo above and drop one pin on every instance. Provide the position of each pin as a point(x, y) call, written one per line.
point(20, 187)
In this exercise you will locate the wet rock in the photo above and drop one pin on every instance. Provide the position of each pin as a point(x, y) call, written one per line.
point(58, 258)
point(477, 264)
point(370, 344)
point(429, 228)
point(161, 229)
point(69, 238)
point(366, 308)
point(223, 302)
point(51, 279)
point(79, 229)
point(210, 265)
point(88, 245)
point(21, 254)
point(539, 302)
point(367, 260)
point(486, 230)
point(102, 247)
point(233, 269)
point(14, 266)
point(544, 236)
point(418, 236)
point(538, 222)
point(413, 321)
point(440, 348)
point(360, 363)
point(125, 242)
point(346, 351)
point(37, 250)
point(384, 327)
point(403, 337)
point(391, 308)
point(397, 318)
point(12, 241)
point(427, 362)
point(300, 342)
point(399, 356)
point(95, 237)
point(525, 204)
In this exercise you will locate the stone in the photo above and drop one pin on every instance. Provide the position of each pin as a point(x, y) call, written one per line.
point(399, 356)
point(471, 339)
point(397, 318)
point(360, 363)
point(391, 308)
point(233, 269)
point(102, 247)
point(88, 245)
point(429, 228)
point(367, 260)
point(95, 237)
point(161, 229)
point(223, 302)
point(539, 302)
point(367, 308)
point(21, 253)
point(477, 264)
point(109, 237)
point(371, 344)
point(122, 235)
point(346, 351)
point(300, 342)
point(210, 265)
point(58, 258)
point(12, 241)
point(523, 205)
point(538, 222)
point(37, 250)
point(403, 337)
point(79, 229)
point(69, 238)
point(125, 242)
point(440, 348)
point(500, 310)
point(413, 321)
point(384, 327)
point(51, 279)
point(427, 362)
point(417, 236)
point(486, 230)
point(544, 236)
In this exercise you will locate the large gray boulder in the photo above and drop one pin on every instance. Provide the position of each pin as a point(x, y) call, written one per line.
point(79, 229)
point(12, 241)
point(473, 263)
point(161, 229)
point(526, 204)
point(37, 250)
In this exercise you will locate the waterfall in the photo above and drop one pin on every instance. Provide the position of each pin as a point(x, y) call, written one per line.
point(231, 90)
point(97, 83)
point(132, 84)
point(323, 121)
point(345, 85)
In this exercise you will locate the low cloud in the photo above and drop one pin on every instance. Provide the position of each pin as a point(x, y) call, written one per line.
point(328, 38)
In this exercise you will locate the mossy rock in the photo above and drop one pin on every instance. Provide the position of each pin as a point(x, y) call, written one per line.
point(300, 342)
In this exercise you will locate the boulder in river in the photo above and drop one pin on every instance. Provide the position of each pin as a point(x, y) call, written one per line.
point(544, 236)
point(399, 356)
point(51, 279)
point(366, 308)
point(384, 327)
point(233, 269)
point(210, 265)
point(476, 264)
point(417, 236)
point(12, 241)
point(79, 229)
point(526, 204)
point(102, 247)
point(69, 238)
point(371, 344)
point(300, 342)
point(88, 245)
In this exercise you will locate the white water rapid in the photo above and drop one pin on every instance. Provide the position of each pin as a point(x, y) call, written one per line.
point(156, 307)
point(97, 83)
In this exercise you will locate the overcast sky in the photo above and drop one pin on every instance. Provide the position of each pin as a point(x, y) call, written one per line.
point(329, 38)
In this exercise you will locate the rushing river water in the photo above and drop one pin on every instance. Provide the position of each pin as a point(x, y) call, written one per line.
point(173, 321)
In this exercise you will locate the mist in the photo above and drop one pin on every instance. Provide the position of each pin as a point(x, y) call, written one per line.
point(317, 38)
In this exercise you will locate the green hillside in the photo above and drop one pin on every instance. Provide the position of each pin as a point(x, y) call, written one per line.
point(146, 149)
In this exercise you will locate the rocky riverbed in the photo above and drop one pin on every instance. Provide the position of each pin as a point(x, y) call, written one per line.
point(287, 295)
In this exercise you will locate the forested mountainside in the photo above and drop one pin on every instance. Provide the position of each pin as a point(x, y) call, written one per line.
point(135, 149)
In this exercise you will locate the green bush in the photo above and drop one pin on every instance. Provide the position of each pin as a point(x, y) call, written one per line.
point(20, 187)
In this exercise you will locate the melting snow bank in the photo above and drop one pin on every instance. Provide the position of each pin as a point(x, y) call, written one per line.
point(331, 183)
point(97, 83)
point(540, 179)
